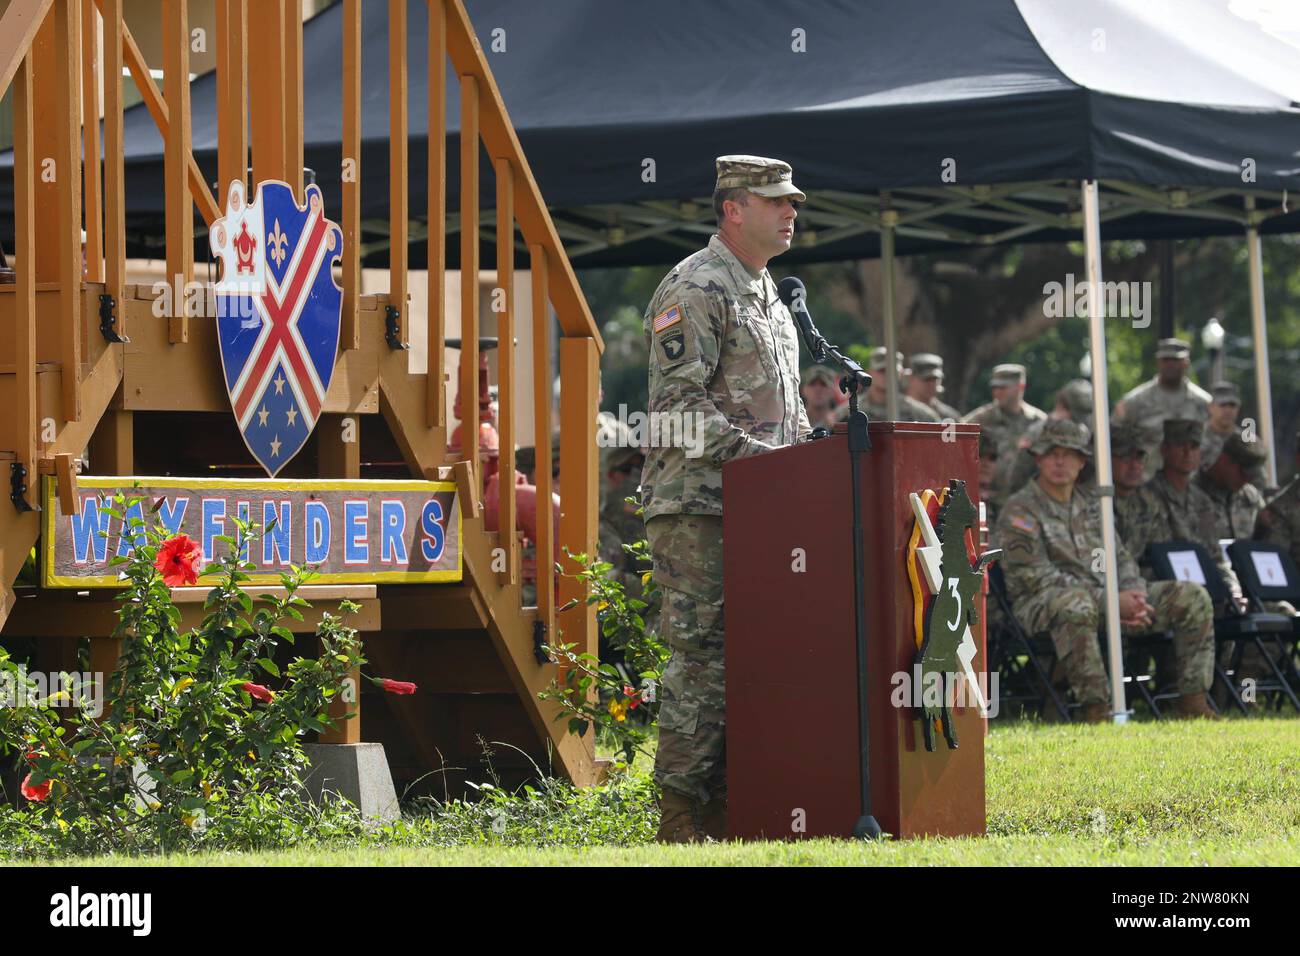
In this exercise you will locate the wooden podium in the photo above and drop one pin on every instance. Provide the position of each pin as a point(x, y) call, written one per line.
point(791, 661)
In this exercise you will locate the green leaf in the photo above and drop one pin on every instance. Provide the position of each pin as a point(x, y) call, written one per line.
point(269, 666)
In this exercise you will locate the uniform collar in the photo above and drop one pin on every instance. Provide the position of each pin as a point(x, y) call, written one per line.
point(744, 279)
point(1076, 496)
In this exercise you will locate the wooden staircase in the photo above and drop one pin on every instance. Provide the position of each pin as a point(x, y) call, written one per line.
point(88, 371)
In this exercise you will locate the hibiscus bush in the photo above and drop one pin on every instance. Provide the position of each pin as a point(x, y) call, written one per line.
point(597, 693)
point(200, 738)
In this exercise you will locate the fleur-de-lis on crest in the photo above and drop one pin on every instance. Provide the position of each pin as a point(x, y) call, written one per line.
point(277, 241)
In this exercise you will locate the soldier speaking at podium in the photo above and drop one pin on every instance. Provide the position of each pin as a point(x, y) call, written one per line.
point(724, 359)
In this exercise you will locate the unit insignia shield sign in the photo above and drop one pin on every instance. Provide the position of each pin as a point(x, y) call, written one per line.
point(278, 314)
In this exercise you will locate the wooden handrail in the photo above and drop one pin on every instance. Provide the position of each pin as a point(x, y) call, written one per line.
point(350, 173)
point(114, 174)
point(542, 442)
point(398, 188)
point(25, 412)
point(17, 31)
point(153, 100)
point(435, 412)
point(180, 219)
point(65, 87)
point(499, 136)
point(505, 293)
point(90, 139)
point(469, 260)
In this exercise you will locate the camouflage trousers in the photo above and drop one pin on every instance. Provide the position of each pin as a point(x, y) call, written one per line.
point(687, 552)
point(1073, 618)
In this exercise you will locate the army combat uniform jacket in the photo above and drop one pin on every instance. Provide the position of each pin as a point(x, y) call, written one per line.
point(724, 360)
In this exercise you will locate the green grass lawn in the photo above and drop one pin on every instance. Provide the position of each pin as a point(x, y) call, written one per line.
point(1163, 794)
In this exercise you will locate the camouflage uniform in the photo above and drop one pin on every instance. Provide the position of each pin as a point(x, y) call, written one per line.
point(1005, 428)
point(1149, 404)
point(1053, 572)
point(723, 348)
point(928, 365)
point(1235, 512)
point(1223, 393)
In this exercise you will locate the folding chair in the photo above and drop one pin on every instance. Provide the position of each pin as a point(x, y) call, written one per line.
point(1188, 561)
point(1024, 662)
point(1267, 573)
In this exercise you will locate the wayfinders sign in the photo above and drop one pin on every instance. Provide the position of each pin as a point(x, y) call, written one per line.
point(350, 531)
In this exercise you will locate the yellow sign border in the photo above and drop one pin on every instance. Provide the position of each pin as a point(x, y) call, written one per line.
point(49, 498)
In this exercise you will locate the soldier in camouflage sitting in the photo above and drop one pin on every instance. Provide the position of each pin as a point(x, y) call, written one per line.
point(1186, 511)
point(1230, 483)
point(1050, 531)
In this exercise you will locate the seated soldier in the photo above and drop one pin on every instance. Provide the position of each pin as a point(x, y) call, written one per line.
point(1054, 564)
point(1187, 512)
point(1230, 483)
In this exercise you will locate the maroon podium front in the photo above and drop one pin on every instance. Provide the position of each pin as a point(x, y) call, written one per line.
point(791, 659)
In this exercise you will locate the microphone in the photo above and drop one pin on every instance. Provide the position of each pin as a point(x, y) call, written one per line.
point(791, 291)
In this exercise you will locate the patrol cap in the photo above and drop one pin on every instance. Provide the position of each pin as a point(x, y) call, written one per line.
point(819, 373)
point(1183, 431)
point(926, 365)
point(758, 174)
point(878, 358)
point(1225, 393)
point(1248, 454)
point(1173, 349)
point(1008, 375)
point(1127, 439)
point(1062, 433)
point(1077, 397)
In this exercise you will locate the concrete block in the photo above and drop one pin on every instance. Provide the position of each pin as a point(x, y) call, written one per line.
point(357, 772)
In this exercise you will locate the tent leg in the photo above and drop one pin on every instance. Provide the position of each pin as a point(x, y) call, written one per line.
point(888, 218)
point(1101, 443)
point(1259, 333)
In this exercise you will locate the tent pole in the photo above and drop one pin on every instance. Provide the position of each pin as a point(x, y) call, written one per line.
point(888, 218)
point(1101, 443)
point(1259, 332)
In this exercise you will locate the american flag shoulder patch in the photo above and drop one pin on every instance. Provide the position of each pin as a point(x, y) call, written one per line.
point(668, 318)
point(1022, 523)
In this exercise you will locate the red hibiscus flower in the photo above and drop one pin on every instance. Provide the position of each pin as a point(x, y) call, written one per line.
point(397, 686)
point(633, 696)
point(178, 561)
point(264, 694)
point(35, 793)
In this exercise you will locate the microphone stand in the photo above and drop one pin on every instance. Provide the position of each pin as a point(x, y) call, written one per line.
point(855, 378)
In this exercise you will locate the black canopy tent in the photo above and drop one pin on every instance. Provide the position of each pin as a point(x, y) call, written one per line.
point(911, 127)
point(977, 117)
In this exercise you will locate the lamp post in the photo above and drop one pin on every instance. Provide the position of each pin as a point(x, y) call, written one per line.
point(1212, 337)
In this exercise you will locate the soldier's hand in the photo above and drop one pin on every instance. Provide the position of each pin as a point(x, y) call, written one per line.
point(1134, 609)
